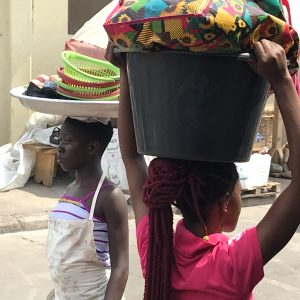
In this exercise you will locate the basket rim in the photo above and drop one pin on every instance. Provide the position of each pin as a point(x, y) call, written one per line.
point(96, 61)
point(66, 93)
point(85, 89)
point(69, 80)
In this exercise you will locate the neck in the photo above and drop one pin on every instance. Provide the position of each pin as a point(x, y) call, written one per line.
point(89, 174)
point(198, 230)
point(213, 224)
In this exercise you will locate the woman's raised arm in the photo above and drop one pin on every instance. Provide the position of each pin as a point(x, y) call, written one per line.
point(282, 220)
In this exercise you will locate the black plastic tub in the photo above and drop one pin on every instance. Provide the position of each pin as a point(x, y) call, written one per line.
point(195, 107)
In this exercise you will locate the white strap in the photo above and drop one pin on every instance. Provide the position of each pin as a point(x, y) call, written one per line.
point(68, 187)
point(96, 196)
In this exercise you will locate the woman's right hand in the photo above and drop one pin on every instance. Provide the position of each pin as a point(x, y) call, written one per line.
point(271, 62)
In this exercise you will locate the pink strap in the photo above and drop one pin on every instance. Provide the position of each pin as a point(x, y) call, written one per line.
point(86, 197)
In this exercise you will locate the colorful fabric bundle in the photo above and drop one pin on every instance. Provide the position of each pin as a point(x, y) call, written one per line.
point(219, 26)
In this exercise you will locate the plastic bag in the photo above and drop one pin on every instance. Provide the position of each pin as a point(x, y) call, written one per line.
point(255, 172)
point(17, 163)
point(223, 26)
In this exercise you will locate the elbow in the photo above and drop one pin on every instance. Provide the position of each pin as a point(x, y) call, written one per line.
point(121, 273)
point(125, 273)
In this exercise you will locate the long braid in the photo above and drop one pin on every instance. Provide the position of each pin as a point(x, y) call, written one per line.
point(162, 188)
point(191, 186)
point(195, 184)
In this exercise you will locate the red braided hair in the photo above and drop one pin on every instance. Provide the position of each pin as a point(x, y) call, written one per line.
point(177, 182)
point(164, 185)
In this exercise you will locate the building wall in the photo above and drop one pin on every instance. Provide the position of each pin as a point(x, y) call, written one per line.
point(4, 72)
point(19, 47)
point(32, 36)
point(50, 31)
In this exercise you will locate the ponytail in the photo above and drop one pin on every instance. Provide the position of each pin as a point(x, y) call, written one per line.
point(192, 187)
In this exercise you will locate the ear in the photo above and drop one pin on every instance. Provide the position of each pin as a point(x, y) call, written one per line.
point(225, 202)
point(94, 147)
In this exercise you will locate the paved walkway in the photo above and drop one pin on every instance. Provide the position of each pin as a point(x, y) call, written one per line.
point(23, 256)
point(27, 208)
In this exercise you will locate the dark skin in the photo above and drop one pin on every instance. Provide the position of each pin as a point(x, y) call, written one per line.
point(82, 156)
point(282, 220)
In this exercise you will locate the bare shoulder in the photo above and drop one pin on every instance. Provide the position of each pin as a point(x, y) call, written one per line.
point(111, 201)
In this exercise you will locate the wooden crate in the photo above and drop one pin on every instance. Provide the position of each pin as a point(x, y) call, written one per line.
point(270, 189)
point(45, 164)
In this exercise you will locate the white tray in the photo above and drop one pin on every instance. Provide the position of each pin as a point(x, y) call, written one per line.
point(72, 108)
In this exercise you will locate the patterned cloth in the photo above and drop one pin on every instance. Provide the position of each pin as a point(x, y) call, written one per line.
point(219, 26)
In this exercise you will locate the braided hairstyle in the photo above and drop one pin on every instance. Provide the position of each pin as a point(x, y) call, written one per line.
point(193, 187)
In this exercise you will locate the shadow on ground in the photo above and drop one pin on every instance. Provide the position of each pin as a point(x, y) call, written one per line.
point(60, 182)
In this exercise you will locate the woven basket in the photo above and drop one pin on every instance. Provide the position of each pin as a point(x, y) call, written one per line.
point(87, 69)
point(73, 82)
point(82, 89)
point(265, 130)
point(88, 95)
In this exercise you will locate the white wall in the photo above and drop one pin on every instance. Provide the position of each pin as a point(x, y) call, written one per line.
point(32, 36)
point(50, 31)
point(4, 72)
point(20, 24)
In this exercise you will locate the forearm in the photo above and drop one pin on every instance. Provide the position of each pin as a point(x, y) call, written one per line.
point(125, 121)
point(135, 165)
point(116, 284)
point(283, 218)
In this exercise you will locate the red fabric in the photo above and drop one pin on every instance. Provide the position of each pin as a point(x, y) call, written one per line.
point(219, 269)
point(287, 5)
point(295, 77)
point(296, 81)
point(85, 49)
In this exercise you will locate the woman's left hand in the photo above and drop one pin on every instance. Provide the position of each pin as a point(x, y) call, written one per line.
point(117, 59)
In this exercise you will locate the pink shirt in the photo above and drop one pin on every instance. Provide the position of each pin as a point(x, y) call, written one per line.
point(221, 268)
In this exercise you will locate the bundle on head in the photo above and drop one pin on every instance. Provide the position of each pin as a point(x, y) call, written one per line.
point(193, 187)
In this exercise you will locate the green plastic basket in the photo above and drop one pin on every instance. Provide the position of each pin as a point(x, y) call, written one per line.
point(87, 69)
point(114, 96)
point(100, 91)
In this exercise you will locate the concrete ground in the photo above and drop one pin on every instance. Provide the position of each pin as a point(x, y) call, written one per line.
point(24, 273)
point(27, 208)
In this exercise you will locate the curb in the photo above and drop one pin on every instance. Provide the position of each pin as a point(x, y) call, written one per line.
point(15, 223)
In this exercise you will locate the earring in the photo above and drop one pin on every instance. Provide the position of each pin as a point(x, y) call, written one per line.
point(205, 238)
